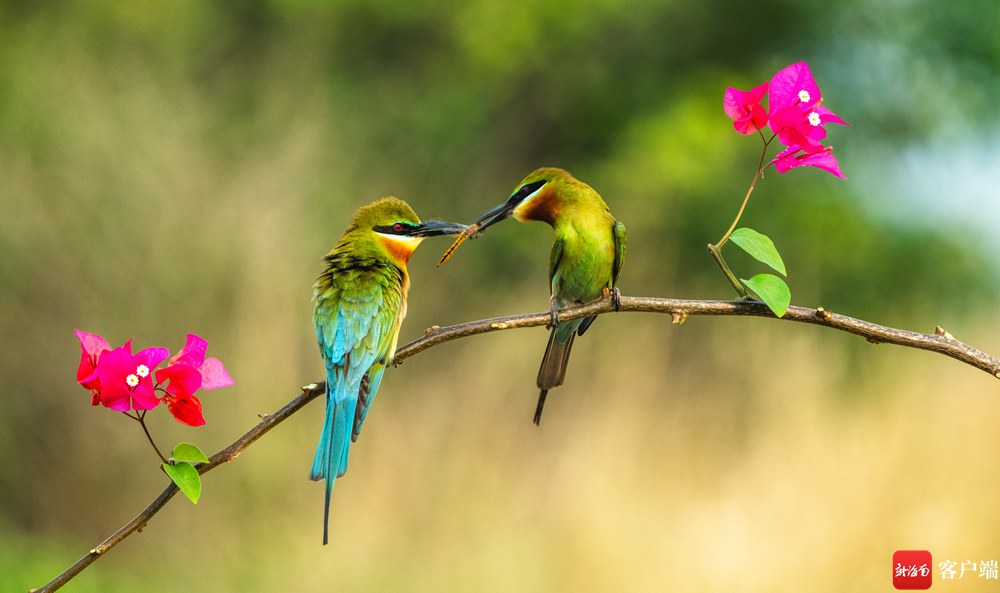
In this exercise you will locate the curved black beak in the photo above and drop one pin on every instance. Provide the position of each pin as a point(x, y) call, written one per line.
point(434, 228)
point(501, 212)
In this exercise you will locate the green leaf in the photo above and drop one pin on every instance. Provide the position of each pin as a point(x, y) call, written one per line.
point(772, 290)
point(186, 477)
point(188, 452)
point(760, 247)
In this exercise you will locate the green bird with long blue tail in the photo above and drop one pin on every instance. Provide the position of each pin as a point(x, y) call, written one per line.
point(360, 302)
point(587, 256)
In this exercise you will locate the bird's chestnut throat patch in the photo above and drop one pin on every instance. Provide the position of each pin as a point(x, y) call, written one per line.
point(542, 206)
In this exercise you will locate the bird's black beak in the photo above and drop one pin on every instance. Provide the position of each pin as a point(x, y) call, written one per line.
point(433, 228)
point(501, 212)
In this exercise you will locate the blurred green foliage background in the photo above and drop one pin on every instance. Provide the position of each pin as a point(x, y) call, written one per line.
point(182, 166)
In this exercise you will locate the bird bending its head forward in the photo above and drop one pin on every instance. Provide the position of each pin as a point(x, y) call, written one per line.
point(587, 256)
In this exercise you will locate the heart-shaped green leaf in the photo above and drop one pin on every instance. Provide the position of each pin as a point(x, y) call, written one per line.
point(772, 290)
point(188, 452)
point(186, 477)
point(760, 247)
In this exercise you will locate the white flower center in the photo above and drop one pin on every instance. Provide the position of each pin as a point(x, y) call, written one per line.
point(142, 370)
point(813, 118)
point(132, 380)
point(804, 96)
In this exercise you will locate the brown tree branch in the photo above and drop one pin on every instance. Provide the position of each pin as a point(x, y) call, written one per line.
point(940, 341)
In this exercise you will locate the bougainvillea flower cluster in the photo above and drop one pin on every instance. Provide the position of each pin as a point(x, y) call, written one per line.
point(794, 114)
point(123, 381)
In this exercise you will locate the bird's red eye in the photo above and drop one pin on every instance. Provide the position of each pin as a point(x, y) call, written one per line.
point(398, 227)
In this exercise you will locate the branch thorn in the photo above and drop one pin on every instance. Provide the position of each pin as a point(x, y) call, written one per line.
point(940, 331)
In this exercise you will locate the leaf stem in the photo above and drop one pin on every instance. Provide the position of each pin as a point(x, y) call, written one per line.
point(715, 250)
point(753, 183)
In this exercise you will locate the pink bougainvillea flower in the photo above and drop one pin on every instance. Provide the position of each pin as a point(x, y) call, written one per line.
point(798, 126)
point(793, 85)
point(187, 372)
point(745, 108)
point(795, 156)
point(126, 379)
point(91, 346)
point(799, 121)
point(211, 374)
point(795, 114)
point(185, 408)
point(184, 379)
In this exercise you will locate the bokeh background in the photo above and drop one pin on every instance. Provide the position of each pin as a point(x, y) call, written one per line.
point(182, 166)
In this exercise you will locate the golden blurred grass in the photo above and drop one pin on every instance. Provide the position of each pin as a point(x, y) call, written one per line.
point(648, 478)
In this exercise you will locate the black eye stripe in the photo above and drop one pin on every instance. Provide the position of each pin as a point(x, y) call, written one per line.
point(527, 189)
point(396, 228)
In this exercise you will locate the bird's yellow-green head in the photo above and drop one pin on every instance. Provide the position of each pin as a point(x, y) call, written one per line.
point(391, 226)
point(543, 195)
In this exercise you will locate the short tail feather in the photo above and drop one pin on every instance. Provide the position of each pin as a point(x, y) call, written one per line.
point(553, 369)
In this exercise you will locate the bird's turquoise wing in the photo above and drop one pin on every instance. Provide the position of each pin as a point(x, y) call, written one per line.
point(382, 341)
point(351, 326)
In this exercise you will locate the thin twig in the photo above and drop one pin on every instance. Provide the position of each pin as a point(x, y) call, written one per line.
point(940, 341)
point(141, 417)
